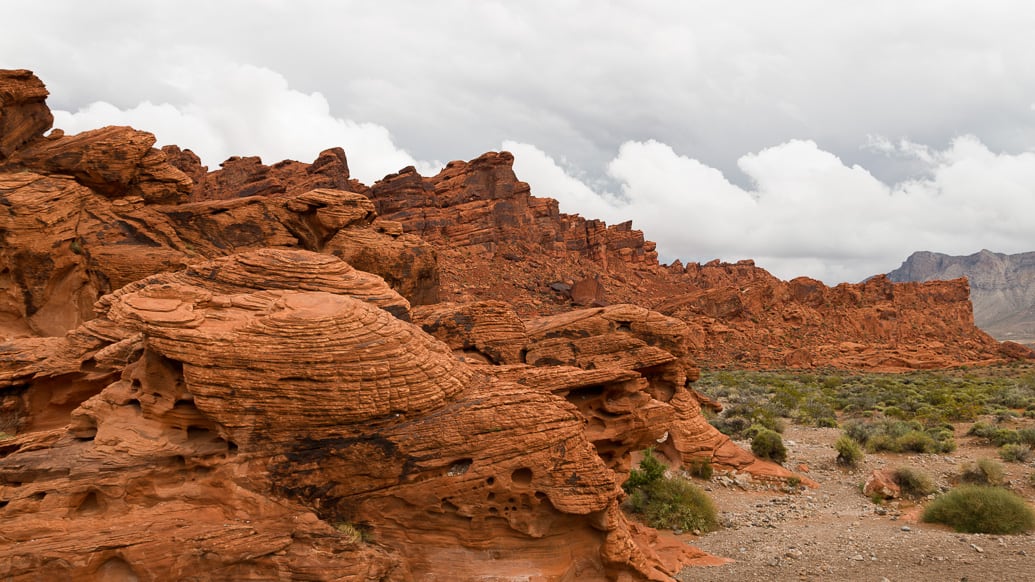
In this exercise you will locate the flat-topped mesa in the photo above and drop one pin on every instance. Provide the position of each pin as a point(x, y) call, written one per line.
point(481, 206)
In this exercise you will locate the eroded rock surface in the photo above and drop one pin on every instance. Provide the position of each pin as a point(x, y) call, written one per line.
point(283, 413)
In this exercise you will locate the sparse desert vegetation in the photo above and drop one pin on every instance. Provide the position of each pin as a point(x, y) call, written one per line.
point(957, 443)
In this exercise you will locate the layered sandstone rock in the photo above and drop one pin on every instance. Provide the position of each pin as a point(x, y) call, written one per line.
point(252, 419)
point(65, 244)
point(625, 368)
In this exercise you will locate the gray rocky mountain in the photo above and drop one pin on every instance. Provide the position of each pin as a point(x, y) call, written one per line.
point(1002, 287)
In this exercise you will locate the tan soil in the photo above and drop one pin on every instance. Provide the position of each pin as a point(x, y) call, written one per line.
point(836, 533)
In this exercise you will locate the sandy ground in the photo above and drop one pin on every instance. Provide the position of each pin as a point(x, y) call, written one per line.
point(835, 533)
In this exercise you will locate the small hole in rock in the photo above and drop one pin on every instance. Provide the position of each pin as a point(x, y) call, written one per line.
point(90, 504)
point(459, 467)
point(196, 432)
point(522, 476)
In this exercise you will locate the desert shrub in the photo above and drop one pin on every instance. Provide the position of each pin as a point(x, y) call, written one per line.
point(916, 442)
point(899, 436)
point(353, 534)
point(1015, 453)
point(1026, 436)
point(999, 436)
point(849, 453)
point(768, 444)
point(668, 502)
point(982, 429)
point(817, 412)
point(981, 509)
point(701, 469)
point(859, 431)
point(983, 472)
point(914, 482)
point(675, 503)
point(651, 470)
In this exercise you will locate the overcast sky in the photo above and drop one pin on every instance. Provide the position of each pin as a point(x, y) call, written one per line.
point(821, 138)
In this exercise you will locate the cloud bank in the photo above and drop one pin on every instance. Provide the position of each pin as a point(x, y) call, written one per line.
point(242, 110)
point(808, 213)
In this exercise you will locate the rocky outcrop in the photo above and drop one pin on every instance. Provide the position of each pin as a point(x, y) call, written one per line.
point(65, 244)
point(261, 421)
point(481, 207)
point(625, 368)
point(802, 323)
point(1002, 287)
point(24, 114)
point(497, 242)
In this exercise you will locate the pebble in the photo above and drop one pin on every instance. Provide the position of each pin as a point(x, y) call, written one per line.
point(977, 548)
point(906, 528)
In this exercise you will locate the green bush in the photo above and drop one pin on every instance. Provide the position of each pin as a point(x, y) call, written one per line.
point(768, 444)
point(675, 503)
point(650, 471)
point(849, 453)
point(899, 436)
point(915, 441)
point(914, 482)
point(668, 502)
point(1026, 436)
point(981, 509)
point(1015, 453)
point(984, 472)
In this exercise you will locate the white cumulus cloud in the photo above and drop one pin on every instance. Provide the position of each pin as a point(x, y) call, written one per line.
point(227, 109)
point(808, 212)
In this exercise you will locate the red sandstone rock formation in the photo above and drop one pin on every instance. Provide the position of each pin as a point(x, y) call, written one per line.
point(242, 399)
point(279, 407)
point(240, 394)
point(495, 241)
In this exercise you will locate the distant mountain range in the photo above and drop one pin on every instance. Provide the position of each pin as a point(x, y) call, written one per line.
point(1002, 287)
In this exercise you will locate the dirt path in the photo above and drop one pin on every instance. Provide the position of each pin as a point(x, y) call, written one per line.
point(835, 533)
